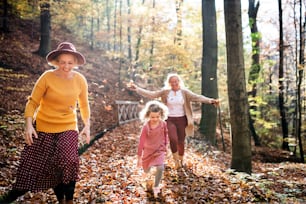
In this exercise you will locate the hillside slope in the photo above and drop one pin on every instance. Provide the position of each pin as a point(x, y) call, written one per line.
point(20, 67)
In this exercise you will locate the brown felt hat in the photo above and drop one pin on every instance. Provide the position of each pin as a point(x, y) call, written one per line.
point(65, 47)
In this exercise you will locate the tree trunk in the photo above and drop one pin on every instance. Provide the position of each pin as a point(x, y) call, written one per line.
point(5, 26)
point(178, 38)
point(139, 37)
point(45, 29)
point(152, 41)
point(209, 70)
point(238, 99)
point(129, 41)
point(255, 67)
point(282, 109)
point(108, 23)
point(115, 27)
point(92, 33)
point(300, 79)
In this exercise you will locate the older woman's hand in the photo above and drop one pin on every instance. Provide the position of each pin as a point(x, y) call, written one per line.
point(215, 102)
point(131, 85)
point(29, 131)
point(86, 132)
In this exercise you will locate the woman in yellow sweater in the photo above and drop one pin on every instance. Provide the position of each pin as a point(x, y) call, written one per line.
point(50, 158)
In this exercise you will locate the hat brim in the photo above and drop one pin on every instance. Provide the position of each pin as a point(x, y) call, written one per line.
point(55, 53)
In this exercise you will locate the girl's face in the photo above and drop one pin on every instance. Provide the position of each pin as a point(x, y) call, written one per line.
point(154, 117)
point(66, 62)
point(174, 83)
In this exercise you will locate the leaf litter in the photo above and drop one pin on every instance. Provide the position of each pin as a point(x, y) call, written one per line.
point(109, 175)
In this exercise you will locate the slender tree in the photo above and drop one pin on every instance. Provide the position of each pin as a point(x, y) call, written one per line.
point(282, 109)
point(108, 22)
point(300, 79)
point(179, 29)
point(209, 69)
point(152, 41)
point(129, 35)
point(115, 26)
point(45, 29)
point(238, 103)
point(139, 38)
point(5, 24)
point(255, 67)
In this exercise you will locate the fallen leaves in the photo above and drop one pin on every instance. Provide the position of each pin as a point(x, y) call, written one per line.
point(109, 175)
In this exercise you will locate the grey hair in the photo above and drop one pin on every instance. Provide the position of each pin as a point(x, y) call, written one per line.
point(167, 81)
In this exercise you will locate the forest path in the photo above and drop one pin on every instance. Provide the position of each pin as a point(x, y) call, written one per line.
point(109, 175)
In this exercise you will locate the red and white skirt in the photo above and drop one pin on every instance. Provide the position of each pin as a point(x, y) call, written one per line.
point(52, 159)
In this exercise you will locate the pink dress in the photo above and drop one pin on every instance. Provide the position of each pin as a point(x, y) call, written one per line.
point(152, 144)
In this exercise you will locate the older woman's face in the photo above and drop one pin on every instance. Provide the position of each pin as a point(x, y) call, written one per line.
point(66, 62)
point(174, 83)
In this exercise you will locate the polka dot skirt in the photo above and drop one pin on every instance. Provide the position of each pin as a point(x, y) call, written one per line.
point(51, 159)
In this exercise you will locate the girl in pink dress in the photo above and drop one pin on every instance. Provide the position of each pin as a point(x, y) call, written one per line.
point(153, 141)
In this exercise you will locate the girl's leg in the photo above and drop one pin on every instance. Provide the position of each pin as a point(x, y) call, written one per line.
point(158, 175)
point(146, 179)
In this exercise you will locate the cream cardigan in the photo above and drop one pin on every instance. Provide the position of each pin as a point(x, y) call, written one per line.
point(188, 96)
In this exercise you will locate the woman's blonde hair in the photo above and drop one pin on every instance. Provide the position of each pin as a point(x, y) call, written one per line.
point(55, 61)
point(153, 106)
point(167, 81)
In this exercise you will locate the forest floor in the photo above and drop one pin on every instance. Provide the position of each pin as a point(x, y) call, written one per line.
point(109, 173)
point(108, 167)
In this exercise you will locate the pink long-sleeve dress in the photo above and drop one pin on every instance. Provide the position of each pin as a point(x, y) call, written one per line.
point(152, 144)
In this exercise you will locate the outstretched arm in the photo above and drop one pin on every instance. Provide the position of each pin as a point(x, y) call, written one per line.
point(202, 99)
point(143, 92)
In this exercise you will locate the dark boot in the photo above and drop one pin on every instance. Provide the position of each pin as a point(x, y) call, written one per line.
point(69, 191)
point(59, 192)
point(11, 196)
point(62, 201)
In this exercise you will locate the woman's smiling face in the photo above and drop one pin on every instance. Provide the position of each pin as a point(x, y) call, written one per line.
point(174, 83)
point(66, 62)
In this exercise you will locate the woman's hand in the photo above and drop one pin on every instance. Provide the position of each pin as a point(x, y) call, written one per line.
point(215, 102)
point(131, 85)
point(86, 132)
point(29, 131)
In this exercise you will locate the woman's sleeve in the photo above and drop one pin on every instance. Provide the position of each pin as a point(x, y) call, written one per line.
point(38, 91)
point(83, 100)
point(149, 94)
point(198, 98)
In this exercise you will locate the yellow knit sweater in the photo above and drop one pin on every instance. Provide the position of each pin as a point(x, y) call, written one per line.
point(54, 100)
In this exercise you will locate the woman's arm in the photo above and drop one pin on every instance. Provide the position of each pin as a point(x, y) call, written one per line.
point(85, 109)
point(32, 104)
point(200, 98)
point(144, 92)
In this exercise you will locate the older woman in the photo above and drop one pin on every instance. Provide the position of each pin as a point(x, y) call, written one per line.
point(50, 158)
point(180, 118)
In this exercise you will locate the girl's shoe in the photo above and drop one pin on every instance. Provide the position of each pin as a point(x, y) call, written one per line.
point(156, 191)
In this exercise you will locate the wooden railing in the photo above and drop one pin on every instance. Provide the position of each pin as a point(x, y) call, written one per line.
point(127, 111)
